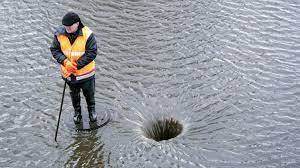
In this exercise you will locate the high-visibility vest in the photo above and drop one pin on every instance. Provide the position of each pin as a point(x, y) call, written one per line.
point(74, 52)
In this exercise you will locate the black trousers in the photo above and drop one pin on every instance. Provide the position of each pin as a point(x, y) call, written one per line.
point(88, 89)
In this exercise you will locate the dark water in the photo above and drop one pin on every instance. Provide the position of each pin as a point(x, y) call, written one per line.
point(229, 71)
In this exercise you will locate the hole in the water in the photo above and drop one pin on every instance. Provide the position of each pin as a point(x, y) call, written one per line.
point(162, 129)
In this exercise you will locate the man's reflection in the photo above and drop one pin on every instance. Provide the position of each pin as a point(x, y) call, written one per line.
point(87, 151)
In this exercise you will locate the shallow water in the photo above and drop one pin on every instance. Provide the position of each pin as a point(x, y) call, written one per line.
point(227, 70)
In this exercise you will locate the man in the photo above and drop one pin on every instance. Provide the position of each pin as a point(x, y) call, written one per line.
point(74, 46)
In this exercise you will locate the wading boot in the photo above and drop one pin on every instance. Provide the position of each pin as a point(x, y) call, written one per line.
point(75, 97)
point(92, 114)
point(88, 89)
point(77, 115)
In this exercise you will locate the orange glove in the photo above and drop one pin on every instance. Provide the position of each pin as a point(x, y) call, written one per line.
point(70, 66)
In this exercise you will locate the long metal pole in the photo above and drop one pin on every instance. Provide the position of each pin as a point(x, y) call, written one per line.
point(61, 105)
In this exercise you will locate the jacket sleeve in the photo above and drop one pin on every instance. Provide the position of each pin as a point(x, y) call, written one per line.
point(90, 52)
point(56, 51)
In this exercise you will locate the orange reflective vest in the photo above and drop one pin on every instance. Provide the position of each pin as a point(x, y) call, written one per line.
point(74, 52)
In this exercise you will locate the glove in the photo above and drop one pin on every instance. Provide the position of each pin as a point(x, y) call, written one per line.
point(70, 66)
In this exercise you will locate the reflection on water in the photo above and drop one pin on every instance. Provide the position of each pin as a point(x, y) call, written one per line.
point(228, 71)
point(85, 152)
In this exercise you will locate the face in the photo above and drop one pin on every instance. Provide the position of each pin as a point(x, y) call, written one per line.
point(73, 28)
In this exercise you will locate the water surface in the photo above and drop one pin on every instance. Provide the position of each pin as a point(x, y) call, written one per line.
point(227, 70)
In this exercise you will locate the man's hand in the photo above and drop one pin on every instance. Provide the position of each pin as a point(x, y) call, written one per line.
point(70, 66)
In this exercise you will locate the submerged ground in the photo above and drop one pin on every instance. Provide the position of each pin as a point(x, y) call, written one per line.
point(227, 71)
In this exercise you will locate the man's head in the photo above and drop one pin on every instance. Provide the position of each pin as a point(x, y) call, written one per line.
point(71, 22)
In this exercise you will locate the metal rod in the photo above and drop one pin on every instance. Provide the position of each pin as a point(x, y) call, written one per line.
point(61, 105)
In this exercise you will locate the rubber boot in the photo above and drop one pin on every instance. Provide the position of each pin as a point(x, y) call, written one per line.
point(77, 116)
point(88, 92)
point(75, 97)
point(92, 113)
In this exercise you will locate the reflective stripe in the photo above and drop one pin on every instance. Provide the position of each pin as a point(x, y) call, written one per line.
point(77, 53)
point(73, 53)
point(85, 75)
point(66, 52)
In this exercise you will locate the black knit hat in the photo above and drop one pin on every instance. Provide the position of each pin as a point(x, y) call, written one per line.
point(70, 18)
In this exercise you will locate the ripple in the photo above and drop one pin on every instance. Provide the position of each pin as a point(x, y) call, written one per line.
point(228, 71)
